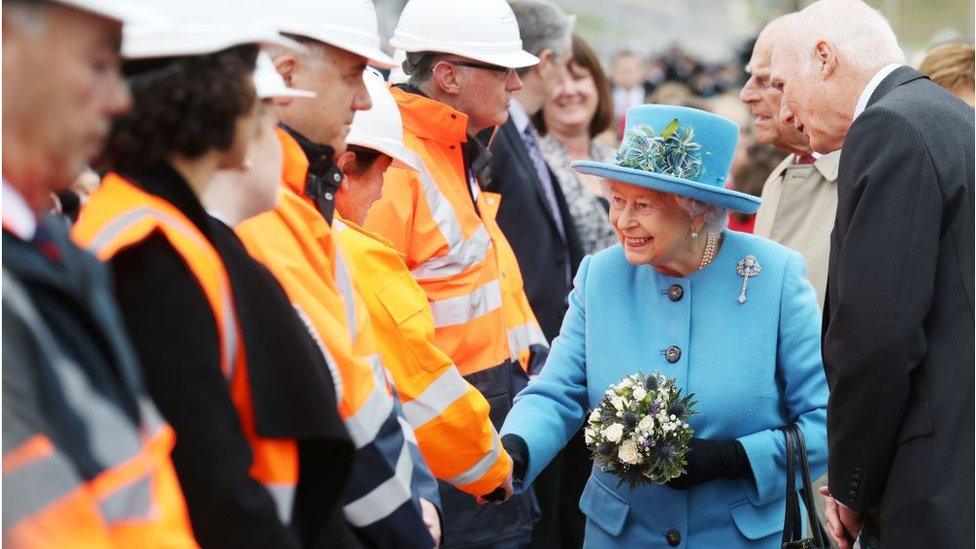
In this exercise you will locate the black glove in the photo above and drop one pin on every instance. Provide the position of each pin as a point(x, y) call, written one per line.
point(712, 459)
point(519, 452)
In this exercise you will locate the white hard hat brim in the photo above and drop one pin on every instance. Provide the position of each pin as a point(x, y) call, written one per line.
point(177, 40)
point(402, 157)
point(123, 11)
point(286, 93)
point(510, 60)
point(351, 40)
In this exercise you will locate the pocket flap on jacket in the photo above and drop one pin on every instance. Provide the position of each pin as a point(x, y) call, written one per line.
point(758, 522)
point(604, 507)
point(917, 422)
point(402, 299)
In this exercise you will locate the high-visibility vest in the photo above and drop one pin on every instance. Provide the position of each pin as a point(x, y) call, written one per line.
point(119, 215)
point(453, 246)
point(296, 244)
point(135, 501)
point(448, 415)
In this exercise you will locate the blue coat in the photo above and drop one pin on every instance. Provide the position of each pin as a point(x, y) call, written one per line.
point(753, 367)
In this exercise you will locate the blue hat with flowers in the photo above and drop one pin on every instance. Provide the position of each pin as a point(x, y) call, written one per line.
point(676, 150)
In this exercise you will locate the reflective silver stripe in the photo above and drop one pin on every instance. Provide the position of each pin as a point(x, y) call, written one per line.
point(465, 308)
point(333, 367)
point(132, 502)
point(522, 337)
point(284, 498)
point(408, 433)
point(111, 231)
point(462, 254)
point(31, 488)
point(444, 391)
point(109, 433)
point(346, 289)
point(478, 470)
point(366, 422)
point(385, 498)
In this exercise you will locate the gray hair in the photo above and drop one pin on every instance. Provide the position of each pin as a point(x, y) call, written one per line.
point(861, 34)
point(312, 59)
point(419, 66)
point(714, 218)
point(543, 26)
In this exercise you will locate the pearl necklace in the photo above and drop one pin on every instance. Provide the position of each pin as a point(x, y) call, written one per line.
point(711, 243)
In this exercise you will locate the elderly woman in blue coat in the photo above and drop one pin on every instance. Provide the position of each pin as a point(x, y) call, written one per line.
point(730, 316)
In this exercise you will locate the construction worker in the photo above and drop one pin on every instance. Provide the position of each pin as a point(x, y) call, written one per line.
point(193, 307)
point(85, 453)
point(449, 416)
point(391, 498)
point(462, 60)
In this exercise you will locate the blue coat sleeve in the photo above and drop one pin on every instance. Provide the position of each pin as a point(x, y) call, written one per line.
point(551, 409)
point(800, 376)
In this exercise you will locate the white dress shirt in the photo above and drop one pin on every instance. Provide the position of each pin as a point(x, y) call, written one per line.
point(862, 102)
point(18, 218)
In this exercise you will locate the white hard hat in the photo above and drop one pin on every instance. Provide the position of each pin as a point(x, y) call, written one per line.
point(347, 24)
point(381, 128)
point(268, 82)
point(397, 76)
point(125, 11)
point(194, 27)
point(483, 30)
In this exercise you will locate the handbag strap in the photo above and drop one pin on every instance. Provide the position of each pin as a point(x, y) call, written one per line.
point(791, 522)
point(817, 533)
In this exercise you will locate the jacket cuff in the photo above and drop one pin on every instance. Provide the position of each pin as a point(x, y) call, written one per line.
point(768, 481)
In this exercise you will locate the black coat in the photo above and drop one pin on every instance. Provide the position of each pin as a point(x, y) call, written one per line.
point(527, 221)
point(898, 320)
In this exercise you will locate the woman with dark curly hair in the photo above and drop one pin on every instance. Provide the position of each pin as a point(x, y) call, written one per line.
point(250, 402)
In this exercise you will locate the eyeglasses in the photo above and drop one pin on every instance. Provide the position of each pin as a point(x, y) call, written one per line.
point(486, 66)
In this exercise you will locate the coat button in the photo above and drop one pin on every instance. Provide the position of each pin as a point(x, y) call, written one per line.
point(673, 354)
point(674, 537)
point(676, 292)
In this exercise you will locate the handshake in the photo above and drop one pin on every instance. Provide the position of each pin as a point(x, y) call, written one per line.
point(519, 453)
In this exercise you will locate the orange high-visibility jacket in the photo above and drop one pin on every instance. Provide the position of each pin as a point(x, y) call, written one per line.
point(120, 215)
point(449, 415)
point(135, 501)
point(452, 245)
point(296, 244)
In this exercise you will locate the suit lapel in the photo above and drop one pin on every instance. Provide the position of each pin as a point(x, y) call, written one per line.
point(524, 164)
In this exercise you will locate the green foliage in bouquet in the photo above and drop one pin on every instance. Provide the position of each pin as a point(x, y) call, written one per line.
point(672, 152)
point(639, 431)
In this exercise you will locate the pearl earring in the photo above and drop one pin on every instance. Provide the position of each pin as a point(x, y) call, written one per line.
point(694, 234)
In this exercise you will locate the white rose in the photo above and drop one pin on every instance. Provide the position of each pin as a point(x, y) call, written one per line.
point(618, 403)
point(646, 424)
point(595, 414)
point(639, 393)
point(625, 383)
point(628, 452)
point(589, 435)
point(614, 432)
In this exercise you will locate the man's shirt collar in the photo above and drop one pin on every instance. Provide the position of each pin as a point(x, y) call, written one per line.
point(18, 218)
point(519, 117)
point(862, 102)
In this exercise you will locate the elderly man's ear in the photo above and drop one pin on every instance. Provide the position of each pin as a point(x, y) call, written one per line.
point(826, 56)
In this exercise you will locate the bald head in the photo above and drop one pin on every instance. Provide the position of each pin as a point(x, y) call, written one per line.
point(823, 59)
point(763, 100)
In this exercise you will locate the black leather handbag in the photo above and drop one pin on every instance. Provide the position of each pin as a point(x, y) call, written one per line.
point(796, 453)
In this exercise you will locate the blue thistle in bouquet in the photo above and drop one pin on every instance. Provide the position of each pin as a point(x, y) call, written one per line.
point(640, 432)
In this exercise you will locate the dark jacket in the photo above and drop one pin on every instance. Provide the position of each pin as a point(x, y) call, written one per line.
point(527, 220)
point(898, 320)
point(174, 332)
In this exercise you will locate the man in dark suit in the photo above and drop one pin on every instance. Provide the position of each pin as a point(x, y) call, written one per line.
point(535, 219)
point(898, 321)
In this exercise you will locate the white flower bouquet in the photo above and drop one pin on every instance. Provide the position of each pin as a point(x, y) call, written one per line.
point(639, 431)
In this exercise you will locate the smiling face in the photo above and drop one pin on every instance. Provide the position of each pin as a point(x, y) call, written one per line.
point(651, 227)
point(765, 101)
point(574, 103)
